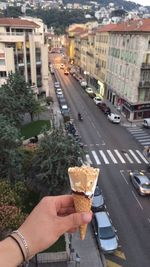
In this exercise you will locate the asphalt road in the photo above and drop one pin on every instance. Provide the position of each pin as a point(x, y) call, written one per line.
point(114, 150)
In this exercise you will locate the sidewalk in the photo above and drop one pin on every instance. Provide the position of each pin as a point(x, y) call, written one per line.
point(124, 121)
point(55, 110)
point(87, 250)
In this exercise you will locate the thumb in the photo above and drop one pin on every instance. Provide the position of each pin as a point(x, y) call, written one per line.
point(74, 220)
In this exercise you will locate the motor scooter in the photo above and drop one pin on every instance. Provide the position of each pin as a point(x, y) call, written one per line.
point(80, 117)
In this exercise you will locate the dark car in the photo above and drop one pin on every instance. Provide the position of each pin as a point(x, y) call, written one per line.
point(104, 108)
point(98, 200)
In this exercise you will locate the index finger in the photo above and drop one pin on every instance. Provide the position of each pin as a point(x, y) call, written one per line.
point(64, 201)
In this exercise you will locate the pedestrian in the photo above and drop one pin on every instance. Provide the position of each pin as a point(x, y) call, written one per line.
point(51, 218)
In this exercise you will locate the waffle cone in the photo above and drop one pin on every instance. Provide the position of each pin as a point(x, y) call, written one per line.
point(82, 204)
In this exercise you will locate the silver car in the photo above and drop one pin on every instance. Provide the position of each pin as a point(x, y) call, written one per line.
point(98, 200)
point(105, 233)
point(141, 182)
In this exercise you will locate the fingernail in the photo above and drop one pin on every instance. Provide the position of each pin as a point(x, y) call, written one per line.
point(86, 217)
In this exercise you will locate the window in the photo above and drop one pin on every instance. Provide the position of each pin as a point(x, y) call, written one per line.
point(2, 62)
point(3, 74)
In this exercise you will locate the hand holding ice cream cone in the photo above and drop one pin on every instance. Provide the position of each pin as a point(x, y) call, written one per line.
point(83, 181)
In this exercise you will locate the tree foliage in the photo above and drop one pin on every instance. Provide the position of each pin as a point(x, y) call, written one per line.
point(13, 12)
point(59, 19)
point(10, 156)
point(10, 213)
point(56, 153)
point(16, 98)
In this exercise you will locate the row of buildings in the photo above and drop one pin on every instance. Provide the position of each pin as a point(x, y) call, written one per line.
point(24, 48)
point(115, 59)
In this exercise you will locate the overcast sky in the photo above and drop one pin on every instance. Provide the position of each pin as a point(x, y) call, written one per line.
point(142, 2)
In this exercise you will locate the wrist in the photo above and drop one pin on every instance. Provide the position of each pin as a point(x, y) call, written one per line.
point(10, 254)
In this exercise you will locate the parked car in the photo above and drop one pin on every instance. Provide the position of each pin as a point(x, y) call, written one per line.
point(105, 232)
point(62, 66)
point(90, 92)
point(52, 70)
point(97, 100)
point(83, 83)
point(104, 108)
point(64, 108)
point(62, 101)
point(115, 118)
point(146, 123)
point(57, 85)
point(141, 182)
point(98, 200)
point(66, 72)
point(59, 94)
point(72, 71)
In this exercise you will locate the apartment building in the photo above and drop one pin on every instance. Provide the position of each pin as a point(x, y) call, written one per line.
point(73, 30)
point(23, 48)
point(128, 68)
point(101, 55)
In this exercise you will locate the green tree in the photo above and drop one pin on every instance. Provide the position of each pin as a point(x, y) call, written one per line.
point(10, 213)
point(10, 156)
point(49, 171)
point(13, 12)
point(17, 98)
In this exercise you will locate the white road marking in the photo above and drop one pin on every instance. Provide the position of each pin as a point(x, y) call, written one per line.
point(141, 136)
point(136, 131)
point(137, 200)
point(103, 143)
point(98, 133)
point(96, 157)
point(134, 156)
point(148, 220)
point(112, 156)
point(122, 174)
point(119, 156)
point(93, 125)
point(128, 158)
point(146, 139)
point(88, 159)
point(103, 156)
point(142, 157)
point(145, 143)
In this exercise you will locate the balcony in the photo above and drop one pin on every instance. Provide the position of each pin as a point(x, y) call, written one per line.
point(144, 84)
point(89, 54)
point(98, 66)
point(145, 66)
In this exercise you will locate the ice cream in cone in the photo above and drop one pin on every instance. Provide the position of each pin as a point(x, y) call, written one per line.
point(83, 181)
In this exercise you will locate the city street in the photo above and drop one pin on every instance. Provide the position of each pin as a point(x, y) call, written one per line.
point(115, 150)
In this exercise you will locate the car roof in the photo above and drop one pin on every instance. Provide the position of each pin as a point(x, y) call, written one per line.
point(102, 219)
point(115, 114)
point(143, 179)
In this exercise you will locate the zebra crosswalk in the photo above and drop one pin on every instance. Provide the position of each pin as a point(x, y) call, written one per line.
point(142, 136)
point(115, 156)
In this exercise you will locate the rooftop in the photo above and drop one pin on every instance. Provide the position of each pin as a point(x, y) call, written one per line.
point(140, 25)
point(18, 23)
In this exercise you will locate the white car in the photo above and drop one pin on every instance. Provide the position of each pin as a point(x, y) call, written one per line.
point(97, 100)
point(115, 118)
point(58, 90)
point(89, 90)
point(62, 66)
point(59, 94)
point(57, 85)
point(83, 83)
